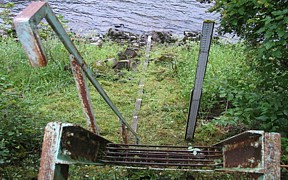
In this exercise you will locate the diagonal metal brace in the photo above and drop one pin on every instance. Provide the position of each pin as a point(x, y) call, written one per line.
point(26, 28)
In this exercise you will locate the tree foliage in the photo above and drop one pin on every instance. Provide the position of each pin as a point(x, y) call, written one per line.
point(263, 24)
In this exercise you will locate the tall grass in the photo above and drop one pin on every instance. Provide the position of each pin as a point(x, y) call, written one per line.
point(32, 97)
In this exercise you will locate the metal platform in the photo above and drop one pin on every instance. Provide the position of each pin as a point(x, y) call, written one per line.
point(200, 157)
point(252, 152)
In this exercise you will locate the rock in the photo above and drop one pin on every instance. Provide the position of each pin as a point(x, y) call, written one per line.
point(97, 42)
point(112, 62)
point(166, 58)
point(123, 64)
point(120, 36)
point(121, 56)
point(205, 1)
point(191, 36)
point(119, 26)
point(134, 65)
point(103, 66)
point(159, 36)
point(130, 53)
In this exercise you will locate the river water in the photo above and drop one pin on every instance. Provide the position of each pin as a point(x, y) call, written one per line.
point(138, 16)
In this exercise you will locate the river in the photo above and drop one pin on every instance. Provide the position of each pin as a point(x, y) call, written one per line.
point(138, 16)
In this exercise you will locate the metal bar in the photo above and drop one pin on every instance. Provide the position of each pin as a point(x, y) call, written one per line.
point(207, 31)
point(25, 24)
point(123, 132)
point(155, 154)
point(272, 156)
point(27, 34)
point(84, 95)
point(160, 164)
point(158, 150)
point(161, 146)
point(170, 169)
point(160, 159)
point(253, 152)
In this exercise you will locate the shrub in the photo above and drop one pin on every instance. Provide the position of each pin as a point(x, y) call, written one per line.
point(263, 26)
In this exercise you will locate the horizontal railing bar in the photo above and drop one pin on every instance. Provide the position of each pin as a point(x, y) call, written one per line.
point(160, 164)
point(159, 159)
point(163, 155)
point(158, 150)
point(161, 146)
point(158, 146)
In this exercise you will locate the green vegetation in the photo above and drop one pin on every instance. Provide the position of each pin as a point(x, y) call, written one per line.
point(32, 97)
point(263, 25)
point(245, 88)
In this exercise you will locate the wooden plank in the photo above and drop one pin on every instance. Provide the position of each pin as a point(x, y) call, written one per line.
point(138, 101)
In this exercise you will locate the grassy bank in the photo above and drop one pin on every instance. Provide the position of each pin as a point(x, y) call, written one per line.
point(32, 97)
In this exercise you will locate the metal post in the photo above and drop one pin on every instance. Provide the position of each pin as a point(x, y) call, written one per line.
point(272, 156)
point(49, 168)
point(254, 153)
point(207, 31)
point(84, 95)
point(123, 132)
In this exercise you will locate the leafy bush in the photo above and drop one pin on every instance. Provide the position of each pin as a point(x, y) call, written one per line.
point(263, 25)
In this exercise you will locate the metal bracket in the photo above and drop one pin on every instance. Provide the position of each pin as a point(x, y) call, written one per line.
point(66, 144)
point(253, 152)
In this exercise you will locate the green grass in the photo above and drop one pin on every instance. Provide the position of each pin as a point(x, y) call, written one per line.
point(32, 97)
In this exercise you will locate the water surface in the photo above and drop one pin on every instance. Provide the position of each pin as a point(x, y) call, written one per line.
point(138, 16)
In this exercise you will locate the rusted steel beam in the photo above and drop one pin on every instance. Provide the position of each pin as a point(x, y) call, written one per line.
point(66, 144)
point(253, 152)
point(162, 146)
point(84, 95)
point(124, 134)
point(49, 169)
point(78, 145)
point(272, 156)
point(158, 164)
point(28, 35)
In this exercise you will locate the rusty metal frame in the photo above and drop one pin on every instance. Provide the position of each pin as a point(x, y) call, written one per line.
point(254, 152)
point(84, 95)
point(66, 144)
point(26, 28)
